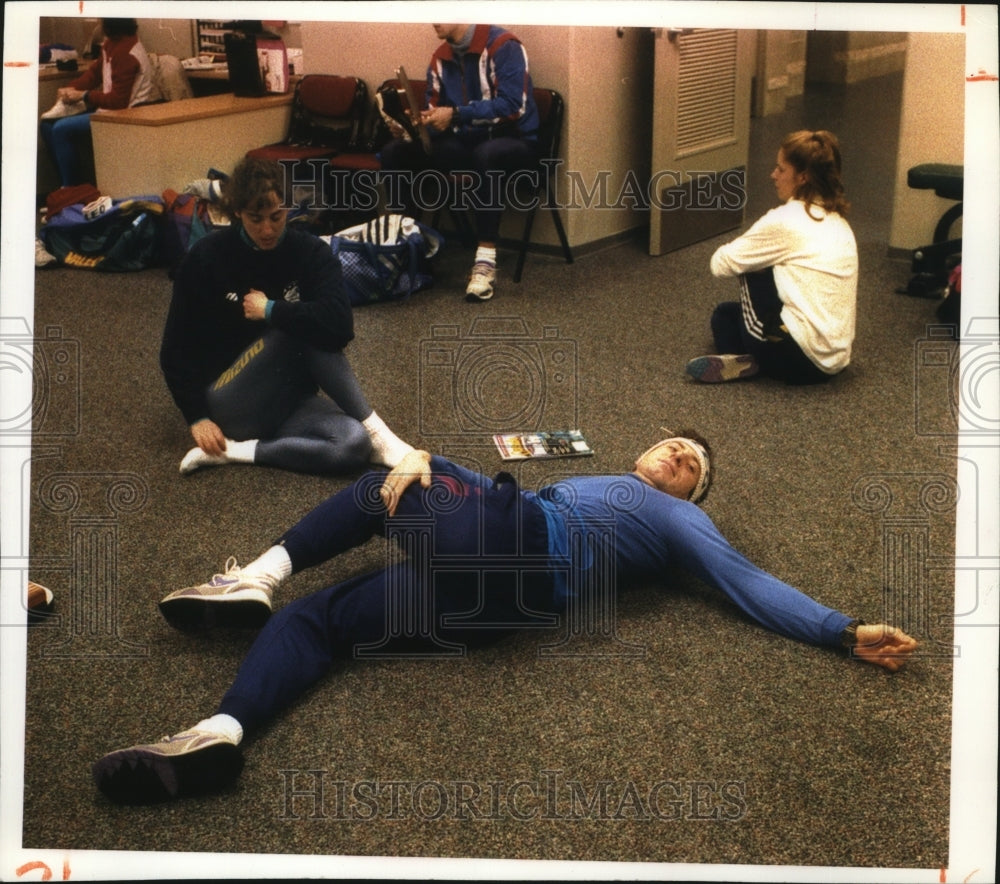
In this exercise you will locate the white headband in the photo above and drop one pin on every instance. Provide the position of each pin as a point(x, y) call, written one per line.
point(701, 486)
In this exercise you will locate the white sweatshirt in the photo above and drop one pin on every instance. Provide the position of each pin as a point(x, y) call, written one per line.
point(815, 271)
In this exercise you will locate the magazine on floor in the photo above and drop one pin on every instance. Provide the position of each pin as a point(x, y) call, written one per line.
point(557, 443)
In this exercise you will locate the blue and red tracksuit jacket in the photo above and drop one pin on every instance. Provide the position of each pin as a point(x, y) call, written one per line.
point(490, 85)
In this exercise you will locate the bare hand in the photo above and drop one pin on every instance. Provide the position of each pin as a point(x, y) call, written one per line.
point(439, 118)
point(414, 467)
point(254, 304)
point(209, 437)
point(69, 94)
point(884, 646)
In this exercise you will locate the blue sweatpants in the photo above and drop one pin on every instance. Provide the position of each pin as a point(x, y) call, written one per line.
point(64, 137)
point(467, 562)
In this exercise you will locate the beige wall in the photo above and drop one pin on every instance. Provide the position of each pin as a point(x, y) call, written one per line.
point(171, 36)
point(780, 70)
point(605, 75)
point(931, 131)
point(604, 78)
point(851, 56)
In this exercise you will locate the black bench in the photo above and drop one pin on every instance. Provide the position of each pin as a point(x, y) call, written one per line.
point(933, 262)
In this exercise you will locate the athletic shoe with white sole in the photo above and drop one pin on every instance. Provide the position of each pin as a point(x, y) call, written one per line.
point(229, 599)
point(65, 109)
point(718, 369)
point(481, 281)
point(43, 257)
point(41, 601)
point(187, 764)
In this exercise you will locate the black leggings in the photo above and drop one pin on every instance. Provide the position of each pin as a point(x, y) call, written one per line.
point(753, 325)
point(270, 393)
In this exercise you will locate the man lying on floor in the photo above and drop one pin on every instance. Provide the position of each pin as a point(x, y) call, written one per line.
point(494, 552)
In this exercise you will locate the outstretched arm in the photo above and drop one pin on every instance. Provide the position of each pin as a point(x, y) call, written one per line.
point(883, 645)
point(414, 467)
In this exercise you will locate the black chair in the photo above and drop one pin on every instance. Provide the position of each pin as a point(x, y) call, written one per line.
point(550, 117)
point(551, 109)
point(932, 263)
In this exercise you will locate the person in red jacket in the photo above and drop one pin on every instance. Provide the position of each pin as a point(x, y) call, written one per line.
point(120, 78)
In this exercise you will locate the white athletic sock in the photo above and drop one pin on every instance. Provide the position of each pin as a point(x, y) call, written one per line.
point(487, 254)
point(387, 447)
point(223, 725)
point(236, 452)
point(272, 566)
point(241, 452)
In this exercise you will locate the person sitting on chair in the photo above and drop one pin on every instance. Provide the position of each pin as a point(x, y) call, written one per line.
point(121, 77)
point(483, 123)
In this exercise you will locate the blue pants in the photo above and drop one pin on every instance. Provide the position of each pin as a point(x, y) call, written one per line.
point(475, 569)
point(63, 137)
point(270, 393)
point(775, 350)
point(488, 162)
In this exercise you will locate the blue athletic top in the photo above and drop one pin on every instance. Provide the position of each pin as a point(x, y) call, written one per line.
point(647, 532)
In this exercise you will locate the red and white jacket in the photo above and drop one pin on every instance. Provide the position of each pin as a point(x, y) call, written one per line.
point(121, 77)
point(489, 84)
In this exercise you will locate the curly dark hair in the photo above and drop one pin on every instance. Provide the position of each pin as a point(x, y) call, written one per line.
point(817, 156)
point(250, 186)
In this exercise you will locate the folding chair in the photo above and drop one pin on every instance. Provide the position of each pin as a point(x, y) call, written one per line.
point(551, 109)
point(550, 116)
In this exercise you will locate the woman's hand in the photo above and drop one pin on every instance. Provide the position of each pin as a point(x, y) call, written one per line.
point(414, 467)
point(254, 305)
point(69, 95)
point(209, 437)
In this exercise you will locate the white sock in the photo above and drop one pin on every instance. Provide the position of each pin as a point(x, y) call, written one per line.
point(241, 452)
point(224, 725)
point(272, 566)
point(236, 452)
point(486, 254)
point(387, 447)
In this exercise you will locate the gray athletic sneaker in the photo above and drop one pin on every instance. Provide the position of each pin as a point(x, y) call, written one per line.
point(481, 281)
point(229, 599)
point(189, 763)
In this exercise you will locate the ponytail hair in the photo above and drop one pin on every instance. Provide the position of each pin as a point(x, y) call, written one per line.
point(817, 156)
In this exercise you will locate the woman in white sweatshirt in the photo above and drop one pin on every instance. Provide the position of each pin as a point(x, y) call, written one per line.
point(798, 273)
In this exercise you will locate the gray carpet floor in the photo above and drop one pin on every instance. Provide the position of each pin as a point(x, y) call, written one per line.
point(684, 735)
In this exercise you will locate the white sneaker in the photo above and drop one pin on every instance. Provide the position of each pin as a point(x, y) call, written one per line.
point(229, 599)
point(186, 764)
point(64, 109)
point(42, 255)
point(481, 280)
